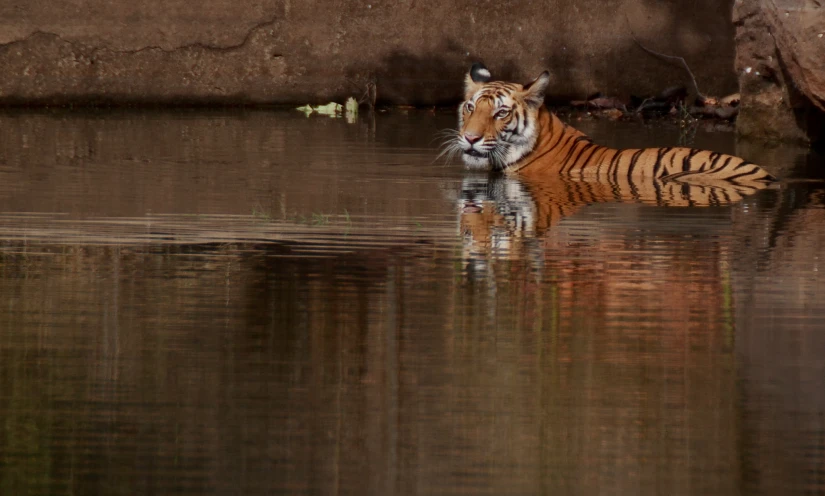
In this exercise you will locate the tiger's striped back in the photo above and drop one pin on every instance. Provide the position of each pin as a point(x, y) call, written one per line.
point(560, 149)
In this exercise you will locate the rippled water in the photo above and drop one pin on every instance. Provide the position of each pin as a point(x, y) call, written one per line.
point(260, 303)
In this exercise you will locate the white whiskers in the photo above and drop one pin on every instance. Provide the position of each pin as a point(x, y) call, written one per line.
point(498, 155)
point(450, 144)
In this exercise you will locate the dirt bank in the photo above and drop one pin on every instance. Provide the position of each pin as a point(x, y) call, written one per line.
point(280, 51)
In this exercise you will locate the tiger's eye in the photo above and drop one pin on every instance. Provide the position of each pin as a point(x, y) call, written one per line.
point(501, 114)
point(469, 107)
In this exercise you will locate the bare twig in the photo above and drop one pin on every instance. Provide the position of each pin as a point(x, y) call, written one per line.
point(642, 105)
point(370, 95)
point(370, 92)
point(668, 57)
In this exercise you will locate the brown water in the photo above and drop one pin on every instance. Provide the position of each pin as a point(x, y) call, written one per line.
point(260, 303)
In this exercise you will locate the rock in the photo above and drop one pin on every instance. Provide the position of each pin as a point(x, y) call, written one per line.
point(780, 62)
point(281, 51)
point(731, 100)
point(612, 114)
point(717, 111)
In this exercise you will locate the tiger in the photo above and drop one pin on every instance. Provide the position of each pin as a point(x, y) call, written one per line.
point(505, 126)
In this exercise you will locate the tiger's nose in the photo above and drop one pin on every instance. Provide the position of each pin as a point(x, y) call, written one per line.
point(472, 138)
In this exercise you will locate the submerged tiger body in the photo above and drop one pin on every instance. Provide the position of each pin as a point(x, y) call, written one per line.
point(506, 126)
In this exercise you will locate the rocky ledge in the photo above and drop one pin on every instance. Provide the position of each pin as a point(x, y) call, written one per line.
point(314, 51)
point(780, 60)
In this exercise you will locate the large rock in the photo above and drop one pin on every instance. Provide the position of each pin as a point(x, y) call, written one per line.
point(283, 51)
point(780, 60)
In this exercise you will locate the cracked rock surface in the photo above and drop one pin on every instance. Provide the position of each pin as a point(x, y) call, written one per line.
point(285, 51)
point(780, 62)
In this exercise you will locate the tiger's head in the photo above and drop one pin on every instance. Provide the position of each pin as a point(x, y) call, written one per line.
point(497, 122)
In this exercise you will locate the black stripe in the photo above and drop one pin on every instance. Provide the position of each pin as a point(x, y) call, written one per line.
point(686, 161)
point(658, 165)
point(614, 161)
point(545, 152)
point(604, 151)
point(580, 196)
point(725, 164)
point(599, 161)
point(727, 197)
point(578, 156)
point(632, 164)
point(566, 141)
point(558, 141)
point(586, 160)
point(695, 194)
point(593, 197)
point(714, 196)
point(658, 186)
point(571, 151)
point(571, 196)
point(713, 161)
point(634, 191)
point(737, 176)
point(685, 191)
point(616, 169)
point(672, 160)
point(614, 185)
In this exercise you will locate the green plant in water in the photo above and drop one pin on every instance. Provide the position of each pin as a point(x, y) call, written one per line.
point(349, 110)
point(319, 219)
point(261, 214)
point(314, 219)
point(688, 125)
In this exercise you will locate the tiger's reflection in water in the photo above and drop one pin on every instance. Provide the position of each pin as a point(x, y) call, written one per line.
point(508, 217)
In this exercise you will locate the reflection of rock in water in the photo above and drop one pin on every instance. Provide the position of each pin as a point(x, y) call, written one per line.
point(780, 355)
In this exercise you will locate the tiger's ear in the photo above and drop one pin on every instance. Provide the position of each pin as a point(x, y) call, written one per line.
point(475, 79)
point(534, 91)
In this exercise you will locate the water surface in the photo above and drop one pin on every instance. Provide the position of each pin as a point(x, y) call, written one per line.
point(259, 303)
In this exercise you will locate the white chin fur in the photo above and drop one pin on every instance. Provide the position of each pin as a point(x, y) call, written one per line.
point(476, 162)
point(515, 153)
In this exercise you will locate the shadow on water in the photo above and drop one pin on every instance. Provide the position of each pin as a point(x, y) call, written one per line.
point(214, 303)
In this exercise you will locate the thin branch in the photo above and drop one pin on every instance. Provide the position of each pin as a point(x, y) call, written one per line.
point(642, 105)
point(370, 92)
point(668, 57)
